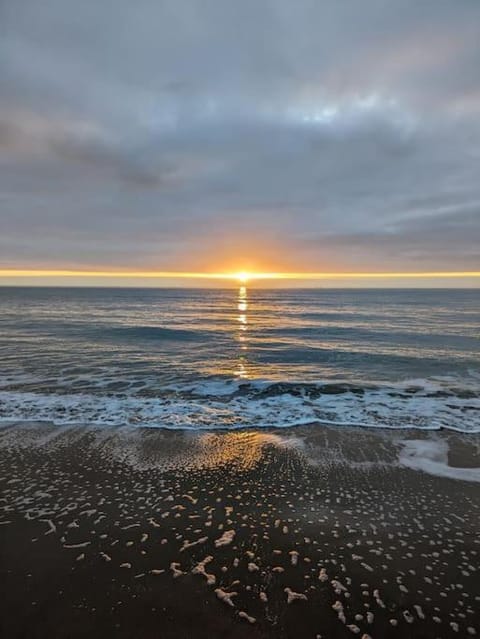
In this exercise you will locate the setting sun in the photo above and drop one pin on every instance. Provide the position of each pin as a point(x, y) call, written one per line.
point(243, 277)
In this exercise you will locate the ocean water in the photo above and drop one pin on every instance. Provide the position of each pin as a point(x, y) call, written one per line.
point(241, 357)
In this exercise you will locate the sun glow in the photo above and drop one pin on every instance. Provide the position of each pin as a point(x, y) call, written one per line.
point(241, 277)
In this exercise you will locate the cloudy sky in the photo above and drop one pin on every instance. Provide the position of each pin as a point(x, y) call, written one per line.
point(286, 135)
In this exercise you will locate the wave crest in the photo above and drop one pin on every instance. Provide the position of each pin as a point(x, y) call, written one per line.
point(420, 404)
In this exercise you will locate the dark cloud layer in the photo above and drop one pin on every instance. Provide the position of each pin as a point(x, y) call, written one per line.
point(295, 135)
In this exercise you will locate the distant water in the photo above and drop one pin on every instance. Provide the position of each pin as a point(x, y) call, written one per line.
point(235, 358)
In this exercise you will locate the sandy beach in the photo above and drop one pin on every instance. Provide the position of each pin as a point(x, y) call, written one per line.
point(308, 532)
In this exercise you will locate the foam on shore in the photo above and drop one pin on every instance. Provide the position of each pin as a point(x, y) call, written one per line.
point(431, 456)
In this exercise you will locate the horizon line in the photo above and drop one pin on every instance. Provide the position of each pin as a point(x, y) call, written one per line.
point(243, 276)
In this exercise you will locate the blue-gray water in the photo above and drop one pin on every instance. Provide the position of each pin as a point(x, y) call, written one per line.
point(234, 358)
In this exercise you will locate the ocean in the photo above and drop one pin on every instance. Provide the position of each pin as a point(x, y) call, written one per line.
point(235, 358)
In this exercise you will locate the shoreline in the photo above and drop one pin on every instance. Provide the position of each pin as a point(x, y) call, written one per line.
point(320, 532)
point(7, 422)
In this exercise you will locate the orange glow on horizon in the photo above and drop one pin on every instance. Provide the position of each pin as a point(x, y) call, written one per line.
point(241, 276)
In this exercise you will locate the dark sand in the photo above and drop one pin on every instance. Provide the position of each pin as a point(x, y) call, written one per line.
point(109, 533)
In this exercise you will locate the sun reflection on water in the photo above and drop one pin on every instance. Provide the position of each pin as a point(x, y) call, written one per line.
point(244, 449)
point(242, 327)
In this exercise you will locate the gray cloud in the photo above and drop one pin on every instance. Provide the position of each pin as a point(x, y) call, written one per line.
point(297, 135)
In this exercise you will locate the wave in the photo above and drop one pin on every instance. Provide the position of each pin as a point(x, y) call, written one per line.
point(152, 333)
point(218, 404)
point(378, 335)
point(88, 332)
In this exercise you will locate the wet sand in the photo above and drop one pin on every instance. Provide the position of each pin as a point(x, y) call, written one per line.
point(307, 532)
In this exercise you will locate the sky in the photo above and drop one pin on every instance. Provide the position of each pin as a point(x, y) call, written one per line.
point(217, 136)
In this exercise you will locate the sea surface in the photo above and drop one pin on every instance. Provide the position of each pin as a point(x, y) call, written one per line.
point(241, 357)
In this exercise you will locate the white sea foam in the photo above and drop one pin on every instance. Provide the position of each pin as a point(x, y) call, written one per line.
point(210, 404)
point(431, 456)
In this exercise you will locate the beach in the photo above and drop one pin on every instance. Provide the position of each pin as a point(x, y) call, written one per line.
point(239, 320)
point(302, 532)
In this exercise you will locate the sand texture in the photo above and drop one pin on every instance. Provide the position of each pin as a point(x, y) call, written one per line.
point(309, 532)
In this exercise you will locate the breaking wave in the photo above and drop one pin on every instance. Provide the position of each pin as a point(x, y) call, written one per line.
point(210, 404)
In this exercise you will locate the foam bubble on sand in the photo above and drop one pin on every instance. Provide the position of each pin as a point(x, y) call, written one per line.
point(407, 615)
point(225, 596)
point(323, 575)
point(367, 567)
point(376, 595)
point(431, 456)
point(83, 544)
point(199, 569)
point(338, 607)
point(419, 611)
point(176, 572)
point(153, 523)
point(247, 617)
point(190, 544)
point(225, 539)
point(338, 586)
point(294, 596)
point(51, 526)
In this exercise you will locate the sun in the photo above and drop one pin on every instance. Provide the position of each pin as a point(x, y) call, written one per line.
point(242, 277)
